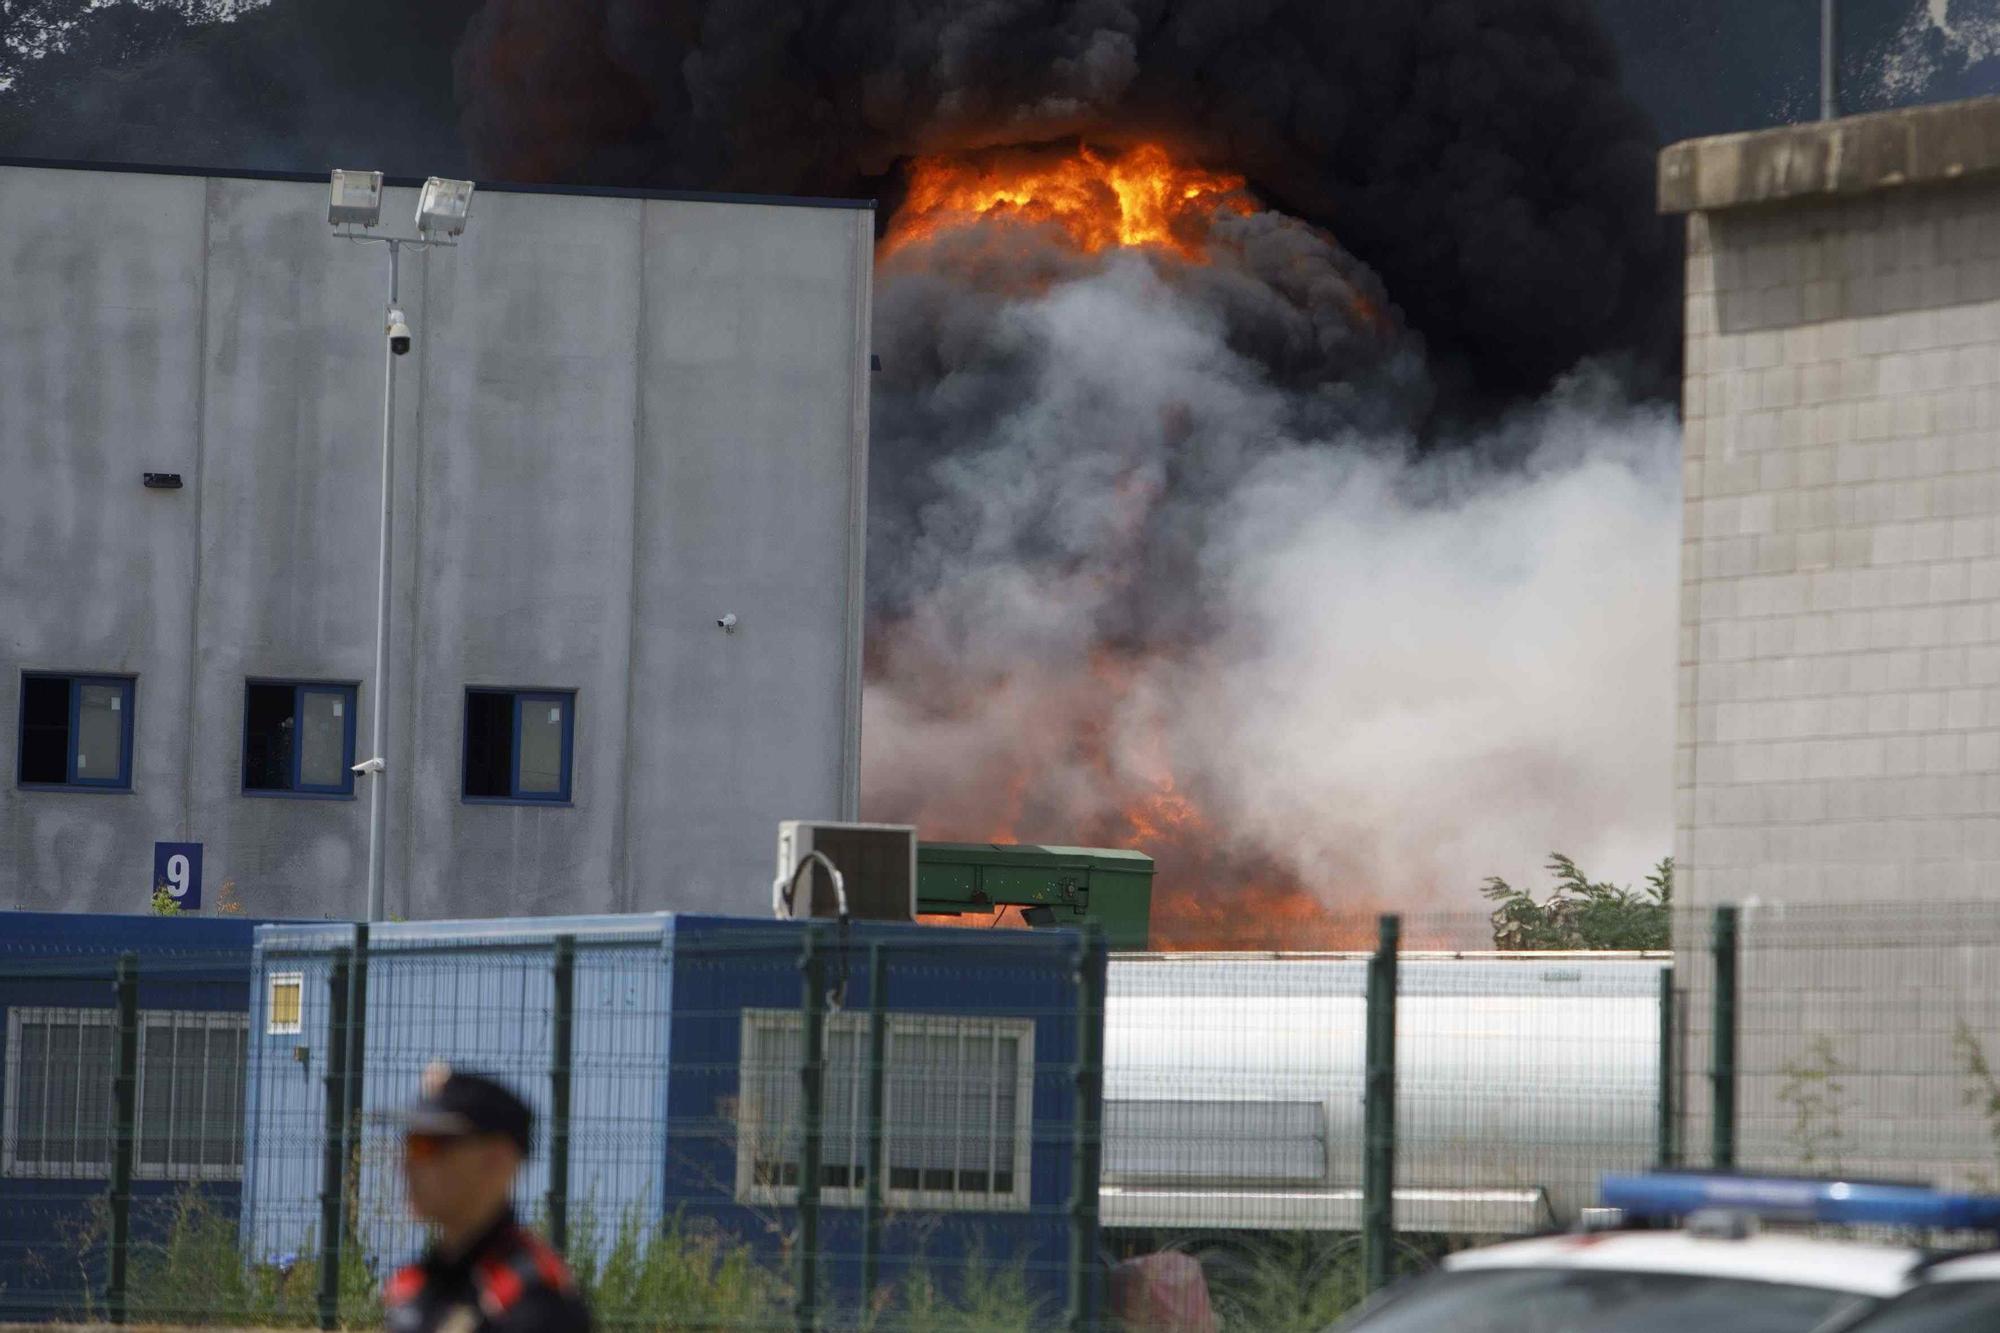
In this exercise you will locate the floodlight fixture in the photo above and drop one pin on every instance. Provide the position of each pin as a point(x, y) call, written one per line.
point(442, 207)
point(356, 198)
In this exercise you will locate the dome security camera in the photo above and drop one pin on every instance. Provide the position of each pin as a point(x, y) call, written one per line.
point(399, 333)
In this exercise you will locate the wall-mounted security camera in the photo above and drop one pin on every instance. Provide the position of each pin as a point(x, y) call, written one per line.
point(369, 767)
point(726, 623)
point(399, 332)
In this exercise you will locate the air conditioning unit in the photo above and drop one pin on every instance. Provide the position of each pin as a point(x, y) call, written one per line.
point(877, 864)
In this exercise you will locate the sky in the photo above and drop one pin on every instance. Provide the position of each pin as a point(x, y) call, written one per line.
point(1703, 67)
point(1696, 66)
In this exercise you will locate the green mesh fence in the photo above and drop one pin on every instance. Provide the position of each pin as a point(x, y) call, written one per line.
point(972, 1140)
point(1856, 1040)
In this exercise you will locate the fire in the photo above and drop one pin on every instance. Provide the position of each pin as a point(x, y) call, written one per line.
point(1140, 197)
point(1058, 780)
point(1209, 891)
point(1209, 895)
point(1162, 813)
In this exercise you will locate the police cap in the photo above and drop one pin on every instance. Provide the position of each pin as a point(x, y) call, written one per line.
point(459, 1104)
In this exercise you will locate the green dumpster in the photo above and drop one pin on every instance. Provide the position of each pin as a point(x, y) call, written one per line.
point(1054, 886)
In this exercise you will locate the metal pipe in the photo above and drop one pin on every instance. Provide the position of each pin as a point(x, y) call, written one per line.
point(563, 1021)
point(1087, 1155)
point(812, 1086)
point(124, 1095)
point(1829, 59)
point(878, 1050)
point(1722, 1046)
point(378, 728)
point(1378, 1163)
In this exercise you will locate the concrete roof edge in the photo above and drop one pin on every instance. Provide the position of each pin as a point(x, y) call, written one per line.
point(498, 187)
point(1853, 155)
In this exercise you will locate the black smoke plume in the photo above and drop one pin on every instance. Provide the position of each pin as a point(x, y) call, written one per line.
point(1477, 154)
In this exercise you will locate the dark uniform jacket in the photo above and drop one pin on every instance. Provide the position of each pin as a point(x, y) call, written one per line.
point(509, 1281)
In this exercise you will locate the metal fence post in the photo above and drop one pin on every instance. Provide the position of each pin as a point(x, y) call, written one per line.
point(357, 1062)
point(1088, 1142)
point(1669, 1072)
point(1378, 1167)
point(562, 1021)
point(812, 1086)
point(878, 1051)
point(1722, 1048)
point(333, 1169)
point(124, 1090)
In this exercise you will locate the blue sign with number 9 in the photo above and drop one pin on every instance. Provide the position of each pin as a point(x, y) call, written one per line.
point(177, 870)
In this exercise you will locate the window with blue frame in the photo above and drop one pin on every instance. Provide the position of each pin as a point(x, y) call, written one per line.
point(76, 731)
point(298, 738)
point(518, 744)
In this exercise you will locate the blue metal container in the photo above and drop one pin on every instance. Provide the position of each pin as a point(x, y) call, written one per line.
point(684, 1081)
point(58, 1047)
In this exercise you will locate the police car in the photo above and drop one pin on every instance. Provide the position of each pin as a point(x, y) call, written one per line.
point(1716, 1273)
point(1950, 1296)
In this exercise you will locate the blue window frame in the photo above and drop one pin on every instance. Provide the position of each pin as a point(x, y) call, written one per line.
point(298, 738)
point(75, 731)
point(518, 744)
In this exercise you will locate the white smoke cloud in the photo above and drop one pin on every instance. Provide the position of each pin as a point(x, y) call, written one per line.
point(1442, 671)
point(1393, 675)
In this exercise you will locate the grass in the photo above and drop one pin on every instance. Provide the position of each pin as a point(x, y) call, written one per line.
point(199, 1275)
point(681, 1275)
point(985, 1298)
point(1286, 1286)
point(674, 1276)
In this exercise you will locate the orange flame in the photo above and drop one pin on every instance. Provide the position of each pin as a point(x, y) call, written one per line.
point(1139, 197)
point(1209, 890)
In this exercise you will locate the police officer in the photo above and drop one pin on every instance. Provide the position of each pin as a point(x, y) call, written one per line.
point(485, 1273)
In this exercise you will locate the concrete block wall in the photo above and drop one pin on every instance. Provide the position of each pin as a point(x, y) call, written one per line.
point(1837, 759)
point(1839, 701)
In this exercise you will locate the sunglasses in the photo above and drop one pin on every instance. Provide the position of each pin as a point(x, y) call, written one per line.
point(423, 1147)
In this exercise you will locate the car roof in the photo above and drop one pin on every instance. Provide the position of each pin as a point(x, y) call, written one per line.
point(1971, 1268)
point(1865, 1270)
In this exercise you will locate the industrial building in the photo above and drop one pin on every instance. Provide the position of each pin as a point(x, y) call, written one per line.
point(629, 492)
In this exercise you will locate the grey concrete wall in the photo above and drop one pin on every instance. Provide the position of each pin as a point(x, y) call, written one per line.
point(1840, 656)
point(623, 418)
point(1838, 750)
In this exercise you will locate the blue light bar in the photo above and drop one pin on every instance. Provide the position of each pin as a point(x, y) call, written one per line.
point(1672, 1194)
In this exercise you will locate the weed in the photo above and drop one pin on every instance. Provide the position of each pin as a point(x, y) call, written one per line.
point(1818, 1101)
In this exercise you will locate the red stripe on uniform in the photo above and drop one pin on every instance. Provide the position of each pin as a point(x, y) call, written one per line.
point(503, 1286)
point(403, 1286)
point(545, 1261)
point(549, 1264)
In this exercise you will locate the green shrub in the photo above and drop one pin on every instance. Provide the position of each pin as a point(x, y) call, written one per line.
point(198, 1275)
point(673, 1276)
point(982, 1299)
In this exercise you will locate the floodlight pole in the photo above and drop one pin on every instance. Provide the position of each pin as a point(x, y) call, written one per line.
point(377, 771)
point(1829, 59)
point(378, 726)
